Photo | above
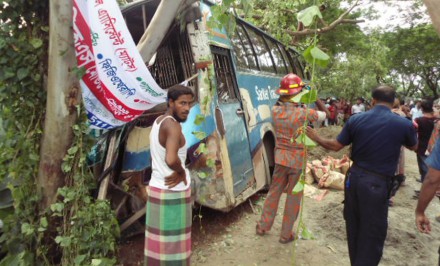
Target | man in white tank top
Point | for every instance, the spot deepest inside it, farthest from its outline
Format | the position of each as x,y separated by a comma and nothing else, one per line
168,220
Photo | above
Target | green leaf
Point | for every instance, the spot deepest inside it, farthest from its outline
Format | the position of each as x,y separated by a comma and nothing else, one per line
304,139
306,234
299,96
199,119
306,15
22,73
27,229
36,43
2,43
322,58
199,134
72,150
310,97
96,262
202,175
314,54
63,241
298,187
43,222
57,207
202,148
79,259
34,157
210,163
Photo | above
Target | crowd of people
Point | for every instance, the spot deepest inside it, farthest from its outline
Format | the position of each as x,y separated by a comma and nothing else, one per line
378,132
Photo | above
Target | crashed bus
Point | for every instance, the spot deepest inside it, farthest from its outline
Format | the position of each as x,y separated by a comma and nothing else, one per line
235,79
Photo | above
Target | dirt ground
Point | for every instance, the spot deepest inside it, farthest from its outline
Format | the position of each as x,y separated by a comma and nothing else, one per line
229,238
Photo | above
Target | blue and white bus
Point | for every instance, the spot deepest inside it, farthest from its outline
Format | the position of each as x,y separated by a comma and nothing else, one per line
236,79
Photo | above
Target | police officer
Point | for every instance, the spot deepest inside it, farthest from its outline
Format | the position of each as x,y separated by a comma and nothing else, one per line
376,137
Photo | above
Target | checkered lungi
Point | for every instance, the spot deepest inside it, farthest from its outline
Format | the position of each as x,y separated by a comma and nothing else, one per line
168,227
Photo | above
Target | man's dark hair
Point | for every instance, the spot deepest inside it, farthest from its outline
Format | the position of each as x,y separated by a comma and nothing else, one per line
178,90
427,106
402,102
384,93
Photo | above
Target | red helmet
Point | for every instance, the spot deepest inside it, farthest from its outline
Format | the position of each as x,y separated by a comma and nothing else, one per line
291,84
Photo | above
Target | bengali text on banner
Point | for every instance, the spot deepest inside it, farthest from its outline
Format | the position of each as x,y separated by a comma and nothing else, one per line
117,86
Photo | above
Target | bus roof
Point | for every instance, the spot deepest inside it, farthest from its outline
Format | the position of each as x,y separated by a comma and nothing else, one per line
136,4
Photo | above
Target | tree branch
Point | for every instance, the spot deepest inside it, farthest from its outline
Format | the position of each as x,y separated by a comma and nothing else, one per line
339,20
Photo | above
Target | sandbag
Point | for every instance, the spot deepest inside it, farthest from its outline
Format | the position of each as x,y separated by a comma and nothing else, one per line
342,165
329,162
308,177
332,179
318,170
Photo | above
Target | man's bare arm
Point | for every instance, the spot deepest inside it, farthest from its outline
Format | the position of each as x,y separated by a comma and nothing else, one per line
172,131
329,144
429,187
321,107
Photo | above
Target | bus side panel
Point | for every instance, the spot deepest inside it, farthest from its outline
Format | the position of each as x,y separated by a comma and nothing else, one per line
258,96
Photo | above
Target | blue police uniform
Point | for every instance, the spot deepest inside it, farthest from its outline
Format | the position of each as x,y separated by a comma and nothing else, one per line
376,137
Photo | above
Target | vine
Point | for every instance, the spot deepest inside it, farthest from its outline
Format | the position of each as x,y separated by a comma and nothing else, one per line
23,56
314,56
89,228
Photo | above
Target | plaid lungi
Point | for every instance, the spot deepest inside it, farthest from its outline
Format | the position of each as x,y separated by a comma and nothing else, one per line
168,227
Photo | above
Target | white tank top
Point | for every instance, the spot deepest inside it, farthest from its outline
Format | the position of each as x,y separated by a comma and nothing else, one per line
158,165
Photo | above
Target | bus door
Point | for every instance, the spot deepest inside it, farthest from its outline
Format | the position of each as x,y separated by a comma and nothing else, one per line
233,116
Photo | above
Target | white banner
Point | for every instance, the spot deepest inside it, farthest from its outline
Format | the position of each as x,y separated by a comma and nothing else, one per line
117,86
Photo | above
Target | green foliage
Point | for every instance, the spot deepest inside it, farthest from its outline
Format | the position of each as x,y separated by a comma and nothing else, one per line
222,17
303,139
81,229
23,46
299,187
414,60
316,55
307,15
353,74
306,233
199,134
199,119
89,229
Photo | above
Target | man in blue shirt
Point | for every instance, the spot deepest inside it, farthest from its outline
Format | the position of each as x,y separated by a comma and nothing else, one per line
376,137
428,190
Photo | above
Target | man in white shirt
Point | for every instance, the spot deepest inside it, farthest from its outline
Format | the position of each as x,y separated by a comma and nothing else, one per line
416,111
358,107
169,216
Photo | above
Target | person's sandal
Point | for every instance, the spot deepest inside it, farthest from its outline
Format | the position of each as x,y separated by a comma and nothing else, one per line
259,231
287,240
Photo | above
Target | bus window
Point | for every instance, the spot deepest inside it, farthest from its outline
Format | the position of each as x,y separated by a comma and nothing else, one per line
243,49
297,69
278,59
286,59
224,75
263,55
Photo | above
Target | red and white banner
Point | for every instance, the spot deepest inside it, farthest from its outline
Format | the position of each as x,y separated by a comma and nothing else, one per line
117,86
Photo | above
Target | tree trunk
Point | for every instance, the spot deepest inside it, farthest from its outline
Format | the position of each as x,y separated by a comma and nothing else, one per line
62,95
158,27
433,7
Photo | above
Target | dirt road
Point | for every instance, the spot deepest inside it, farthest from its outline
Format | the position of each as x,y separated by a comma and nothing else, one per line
229,239
232,241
